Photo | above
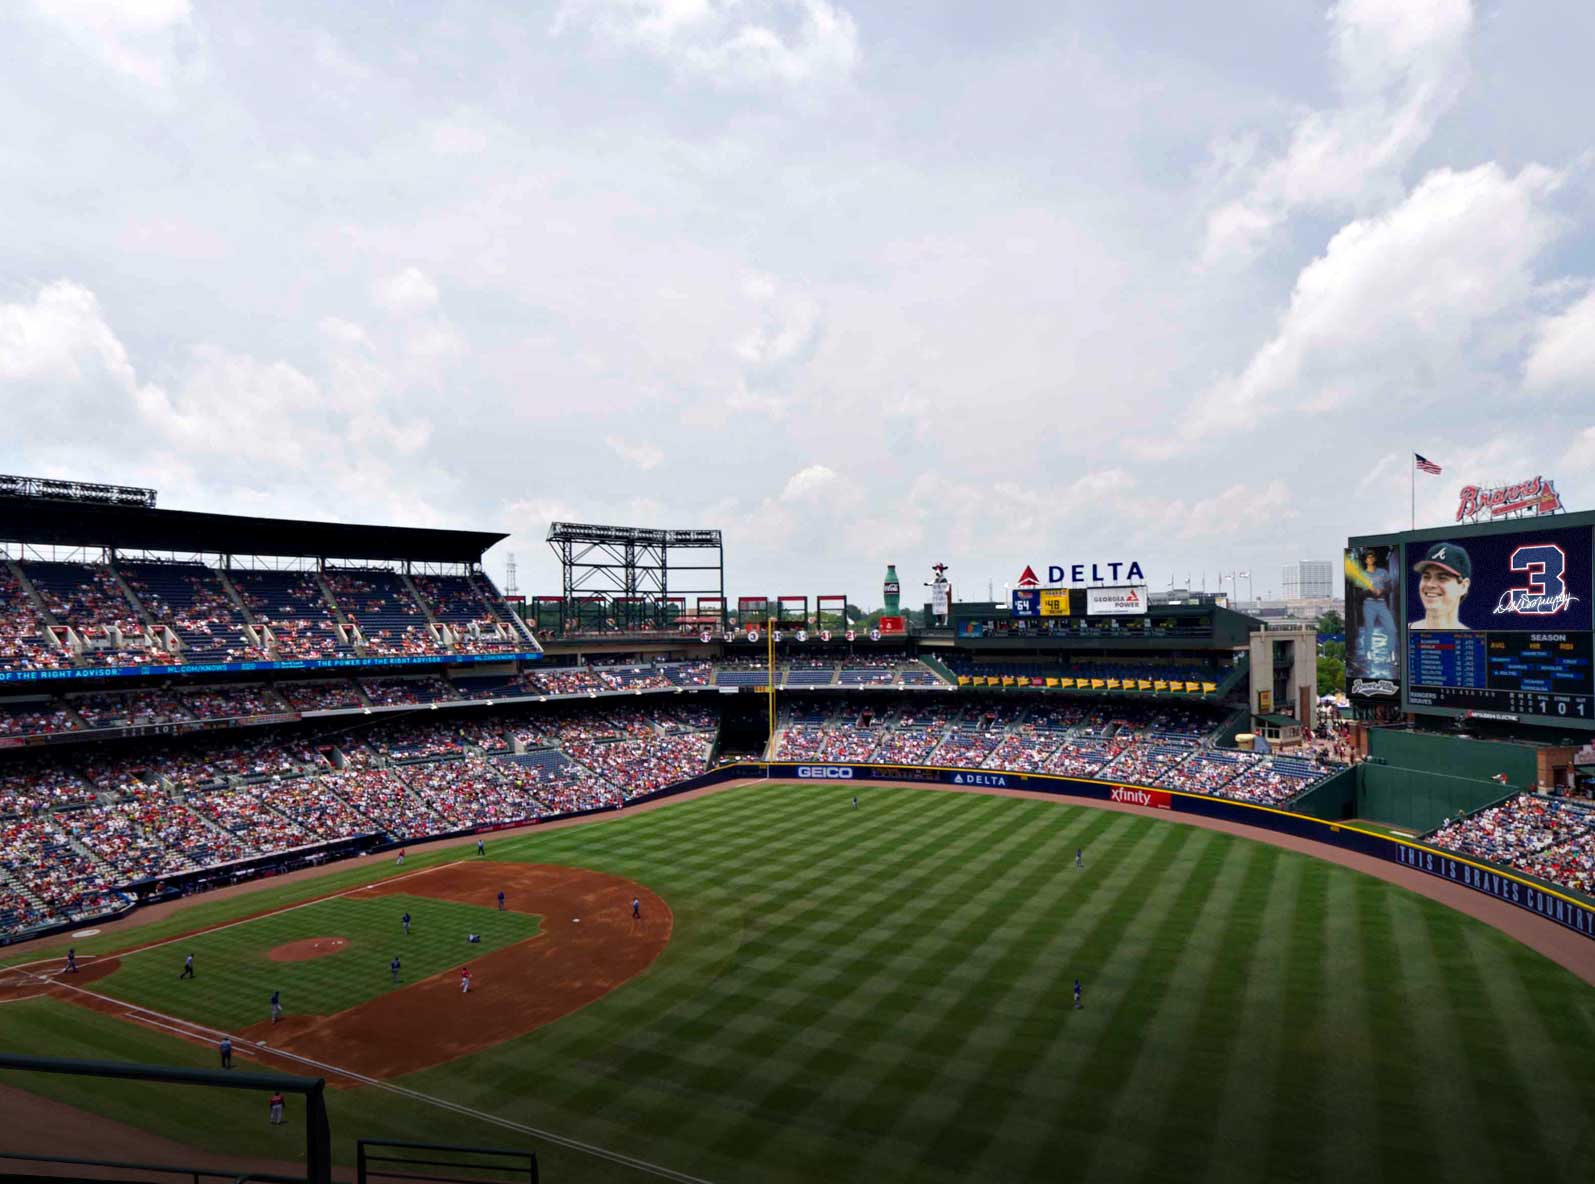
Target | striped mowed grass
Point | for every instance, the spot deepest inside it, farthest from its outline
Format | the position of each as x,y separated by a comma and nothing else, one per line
885,994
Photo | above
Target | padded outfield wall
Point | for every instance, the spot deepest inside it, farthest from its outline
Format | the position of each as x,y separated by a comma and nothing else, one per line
1419,779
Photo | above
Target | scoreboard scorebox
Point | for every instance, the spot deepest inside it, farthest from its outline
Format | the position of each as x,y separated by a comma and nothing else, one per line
1495,619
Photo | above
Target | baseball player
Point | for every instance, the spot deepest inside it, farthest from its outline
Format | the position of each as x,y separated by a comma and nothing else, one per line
276,1006
1445,573
481,847
400,860
226,1049
394,967
636,909
1079,857
855,801
275,1104
465,980
71,962
188,967
405,921
501,901
1377,623
1077,1004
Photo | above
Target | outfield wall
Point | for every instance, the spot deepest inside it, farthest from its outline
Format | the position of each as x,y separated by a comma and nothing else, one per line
1555,906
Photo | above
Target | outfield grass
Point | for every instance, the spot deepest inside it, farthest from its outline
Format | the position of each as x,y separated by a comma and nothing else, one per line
884,994
234,979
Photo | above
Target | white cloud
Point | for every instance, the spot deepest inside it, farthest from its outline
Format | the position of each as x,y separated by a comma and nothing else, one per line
640,455
138,38
1399,66
1563,353
728,42
407,294
1395,304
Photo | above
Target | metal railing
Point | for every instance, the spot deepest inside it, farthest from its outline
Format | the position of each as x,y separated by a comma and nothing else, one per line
318,1136
484,1164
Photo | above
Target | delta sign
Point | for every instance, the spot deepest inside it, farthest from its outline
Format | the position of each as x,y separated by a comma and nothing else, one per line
1033,599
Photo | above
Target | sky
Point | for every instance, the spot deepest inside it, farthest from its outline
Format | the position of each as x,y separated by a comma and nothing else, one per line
855,283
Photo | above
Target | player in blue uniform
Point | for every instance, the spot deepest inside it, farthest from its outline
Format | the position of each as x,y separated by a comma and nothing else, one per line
1079,857
405,921
501,901
276,1006
394,967
188,967
1077,1004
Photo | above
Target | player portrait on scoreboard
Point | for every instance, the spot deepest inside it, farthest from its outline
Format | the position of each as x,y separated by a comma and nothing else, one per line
1372,587
1445,574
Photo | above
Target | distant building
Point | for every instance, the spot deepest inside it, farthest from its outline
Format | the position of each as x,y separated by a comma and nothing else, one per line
1308,579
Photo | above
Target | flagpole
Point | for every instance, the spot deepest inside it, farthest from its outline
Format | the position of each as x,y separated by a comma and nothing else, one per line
1412,482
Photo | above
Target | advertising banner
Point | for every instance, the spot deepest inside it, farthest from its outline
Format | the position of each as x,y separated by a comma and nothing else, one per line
1126,601
1373,589
1501,623
1134,795
1027,602
1057,602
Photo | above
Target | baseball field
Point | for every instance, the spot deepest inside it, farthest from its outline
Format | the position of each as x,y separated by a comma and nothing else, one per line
815,992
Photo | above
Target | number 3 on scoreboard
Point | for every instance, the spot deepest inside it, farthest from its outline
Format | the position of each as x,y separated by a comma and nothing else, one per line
1545,564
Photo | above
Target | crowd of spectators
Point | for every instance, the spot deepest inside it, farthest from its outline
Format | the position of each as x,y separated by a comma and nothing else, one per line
37,717
399,692
89,599
231,702
126,709
1516,829
32,783
389,618
308,802
189,599
327,695
290,604
382,796
25,641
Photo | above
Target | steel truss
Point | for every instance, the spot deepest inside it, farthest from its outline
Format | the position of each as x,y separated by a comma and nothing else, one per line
627,578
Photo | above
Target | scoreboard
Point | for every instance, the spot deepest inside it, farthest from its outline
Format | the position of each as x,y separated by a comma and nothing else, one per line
1498,620
1545,674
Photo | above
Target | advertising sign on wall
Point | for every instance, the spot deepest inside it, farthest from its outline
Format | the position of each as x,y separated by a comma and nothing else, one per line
1126,601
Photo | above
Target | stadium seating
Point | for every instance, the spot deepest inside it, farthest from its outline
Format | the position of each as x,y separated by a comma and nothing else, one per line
189,599
25,642
291,605
88,599
388,616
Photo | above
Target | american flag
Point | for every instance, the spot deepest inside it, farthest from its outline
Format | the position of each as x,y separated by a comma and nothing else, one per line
1427,465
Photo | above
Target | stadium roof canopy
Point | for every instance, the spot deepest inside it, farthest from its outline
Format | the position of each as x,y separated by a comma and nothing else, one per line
46,522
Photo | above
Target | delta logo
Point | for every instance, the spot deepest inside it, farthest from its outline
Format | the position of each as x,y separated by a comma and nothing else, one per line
1027,578
994,780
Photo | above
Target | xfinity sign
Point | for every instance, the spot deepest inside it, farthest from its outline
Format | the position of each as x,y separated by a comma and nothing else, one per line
825,772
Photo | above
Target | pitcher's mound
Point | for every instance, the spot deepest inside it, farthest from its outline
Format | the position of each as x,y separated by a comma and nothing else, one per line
307,948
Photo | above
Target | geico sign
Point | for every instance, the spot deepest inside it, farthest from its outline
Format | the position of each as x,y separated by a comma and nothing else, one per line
825,772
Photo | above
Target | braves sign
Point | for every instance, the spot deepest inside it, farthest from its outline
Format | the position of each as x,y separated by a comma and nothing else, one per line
1535,496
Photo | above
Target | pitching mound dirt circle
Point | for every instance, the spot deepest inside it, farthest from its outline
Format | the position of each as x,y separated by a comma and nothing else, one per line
306,948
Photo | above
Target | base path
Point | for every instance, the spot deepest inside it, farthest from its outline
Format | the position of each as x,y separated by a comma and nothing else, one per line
514,990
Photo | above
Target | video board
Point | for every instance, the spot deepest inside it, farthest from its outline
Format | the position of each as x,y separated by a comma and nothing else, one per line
1499,622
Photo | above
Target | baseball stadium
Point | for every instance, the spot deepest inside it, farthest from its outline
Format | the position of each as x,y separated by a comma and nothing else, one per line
324,857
